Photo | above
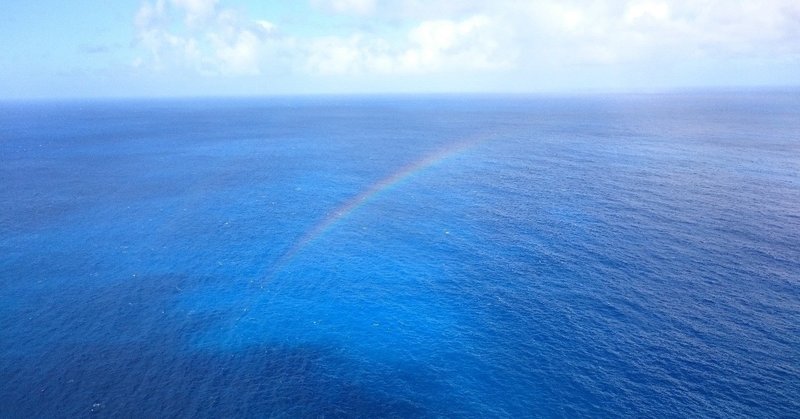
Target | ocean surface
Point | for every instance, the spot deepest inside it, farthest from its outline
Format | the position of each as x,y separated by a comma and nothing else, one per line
402,256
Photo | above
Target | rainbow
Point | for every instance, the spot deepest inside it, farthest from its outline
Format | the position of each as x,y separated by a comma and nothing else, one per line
366,195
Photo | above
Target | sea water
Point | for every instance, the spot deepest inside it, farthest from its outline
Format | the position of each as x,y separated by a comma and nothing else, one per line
402,256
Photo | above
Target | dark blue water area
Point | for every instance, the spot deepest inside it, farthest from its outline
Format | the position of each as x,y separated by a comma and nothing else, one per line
585,256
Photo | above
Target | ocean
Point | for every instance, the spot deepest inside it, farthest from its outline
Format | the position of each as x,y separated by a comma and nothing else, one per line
402,256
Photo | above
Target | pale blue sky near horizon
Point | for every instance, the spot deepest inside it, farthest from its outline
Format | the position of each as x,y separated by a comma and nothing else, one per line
165,48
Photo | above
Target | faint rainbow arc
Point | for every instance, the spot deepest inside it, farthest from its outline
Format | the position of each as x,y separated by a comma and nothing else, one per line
356,201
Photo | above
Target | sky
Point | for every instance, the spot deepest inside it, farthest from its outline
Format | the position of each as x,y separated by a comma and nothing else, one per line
165,48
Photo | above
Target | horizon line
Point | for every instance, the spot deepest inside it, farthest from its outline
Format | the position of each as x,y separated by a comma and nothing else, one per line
324,94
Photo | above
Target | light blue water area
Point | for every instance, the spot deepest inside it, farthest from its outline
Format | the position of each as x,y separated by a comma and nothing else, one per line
628,255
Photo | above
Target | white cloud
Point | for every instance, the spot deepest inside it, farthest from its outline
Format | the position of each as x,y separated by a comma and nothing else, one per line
196,11
239,55
466,44
431,46
358,7
417,37
657,10
620,32
212,41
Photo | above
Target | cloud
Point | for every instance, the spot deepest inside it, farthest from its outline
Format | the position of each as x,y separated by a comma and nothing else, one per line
611,32
199,36
416,37
358,7
430,47
646,11
196,11
218,41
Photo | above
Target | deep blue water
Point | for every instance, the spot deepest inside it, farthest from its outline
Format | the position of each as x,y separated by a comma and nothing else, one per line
634,256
